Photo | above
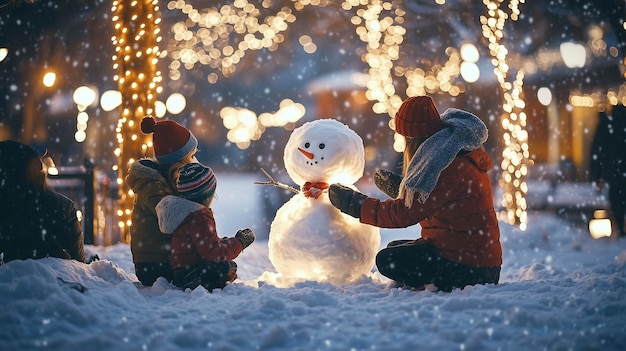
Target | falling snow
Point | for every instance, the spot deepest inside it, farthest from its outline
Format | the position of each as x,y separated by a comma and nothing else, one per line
559,290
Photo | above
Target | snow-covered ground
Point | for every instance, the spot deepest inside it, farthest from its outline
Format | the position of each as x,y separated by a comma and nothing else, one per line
559,290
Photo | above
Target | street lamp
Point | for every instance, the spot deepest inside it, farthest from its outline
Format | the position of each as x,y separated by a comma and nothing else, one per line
83,97
49,78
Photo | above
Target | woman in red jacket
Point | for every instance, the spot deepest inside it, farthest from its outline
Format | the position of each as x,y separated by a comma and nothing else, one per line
445,188
199,256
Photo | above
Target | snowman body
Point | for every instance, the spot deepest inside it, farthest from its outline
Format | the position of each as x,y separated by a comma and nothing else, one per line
309,238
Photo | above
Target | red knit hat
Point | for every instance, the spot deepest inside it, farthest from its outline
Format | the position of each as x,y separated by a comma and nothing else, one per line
418,117
171,141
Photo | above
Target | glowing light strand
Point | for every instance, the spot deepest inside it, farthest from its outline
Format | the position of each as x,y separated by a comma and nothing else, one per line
139,79
383,38
220,37
513,119
379,25
136,38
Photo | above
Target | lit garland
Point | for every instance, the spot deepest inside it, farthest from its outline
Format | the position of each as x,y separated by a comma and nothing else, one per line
513,118
578,99
209,37
219,38
136,41
214,42
244,125
383,40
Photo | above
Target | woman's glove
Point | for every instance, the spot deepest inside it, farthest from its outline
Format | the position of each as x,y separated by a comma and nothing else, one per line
388,182
346,200
245,237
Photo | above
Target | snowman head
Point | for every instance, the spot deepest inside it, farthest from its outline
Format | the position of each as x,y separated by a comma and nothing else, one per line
324,150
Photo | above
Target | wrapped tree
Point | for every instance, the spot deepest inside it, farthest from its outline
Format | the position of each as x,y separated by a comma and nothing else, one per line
136,39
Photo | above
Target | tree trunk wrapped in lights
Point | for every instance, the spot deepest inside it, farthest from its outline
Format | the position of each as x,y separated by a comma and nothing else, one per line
513,119
136,38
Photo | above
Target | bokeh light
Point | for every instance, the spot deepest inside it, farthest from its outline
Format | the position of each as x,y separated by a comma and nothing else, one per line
544,95
49,78
110,100
574,55
84,96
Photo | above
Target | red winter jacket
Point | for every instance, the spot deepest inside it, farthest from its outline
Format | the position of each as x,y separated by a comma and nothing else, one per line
194,238
458,216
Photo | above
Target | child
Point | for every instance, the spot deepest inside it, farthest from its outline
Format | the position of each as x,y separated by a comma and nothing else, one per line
152,179
445,188
199,256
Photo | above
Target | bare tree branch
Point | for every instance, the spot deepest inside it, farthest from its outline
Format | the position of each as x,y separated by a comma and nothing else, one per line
277,184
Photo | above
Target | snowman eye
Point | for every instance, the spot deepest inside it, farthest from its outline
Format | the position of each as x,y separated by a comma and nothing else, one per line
322,146
306,145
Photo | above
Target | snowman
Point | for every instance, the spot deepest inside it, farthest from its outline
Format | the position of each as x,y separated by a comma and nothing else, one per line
309,238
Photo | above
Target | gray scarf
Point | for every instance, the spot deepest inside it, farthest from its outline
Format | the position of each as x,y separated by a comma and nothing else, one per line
462,131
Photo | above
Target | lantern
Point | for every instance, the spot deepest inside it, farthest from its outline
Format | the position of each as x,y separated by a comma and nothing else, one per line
600,225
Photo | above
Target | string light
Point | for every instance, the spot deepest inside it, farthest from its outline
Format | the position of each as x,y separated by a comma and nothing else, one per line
207,39
136,40
244,125
220,37
513,118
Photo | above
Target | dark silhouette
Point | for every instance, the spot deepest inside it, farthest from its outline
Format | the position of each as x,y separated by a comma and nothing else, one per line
35,222
608,161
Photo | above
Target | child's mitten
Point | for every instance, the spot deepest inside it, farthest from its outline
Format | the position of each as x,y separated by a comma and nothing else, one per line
245,237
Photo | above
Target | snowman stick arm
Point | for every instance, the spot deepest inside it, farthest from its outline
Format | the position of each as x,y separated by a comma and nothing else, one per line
279,185
276,184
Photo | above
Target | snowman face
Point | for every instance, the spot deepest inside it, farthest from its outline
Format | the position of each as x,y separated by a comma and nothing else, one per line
324,150
313,154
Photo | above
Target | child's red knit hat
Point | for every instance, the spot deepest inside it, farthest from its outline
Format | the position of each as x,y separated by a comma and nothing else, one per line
418,117
171,141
